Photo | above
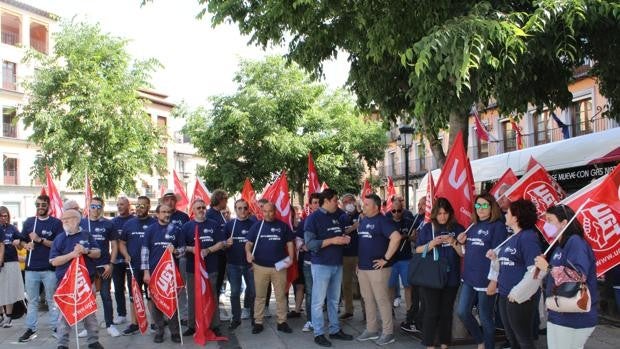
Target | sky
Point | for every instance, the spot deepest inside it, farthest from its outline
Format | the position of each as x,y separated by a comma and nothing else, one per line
199,60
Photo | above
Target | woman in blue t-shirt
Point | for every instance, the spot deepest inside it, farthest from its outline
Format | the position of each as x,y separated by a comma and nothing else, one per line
439,303
569,330
487,232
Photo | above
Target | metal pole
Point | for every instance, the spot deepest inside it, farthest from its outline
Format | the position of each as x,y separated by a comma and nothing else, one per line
406,176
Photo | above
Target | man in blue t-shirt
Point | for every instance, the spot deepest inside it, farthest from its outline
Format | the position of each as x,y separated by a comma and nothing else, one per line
349,221
414,313
325,240
104,233
37,236
219,201
271,249
400,267
130,246
71,244
306,259
119,271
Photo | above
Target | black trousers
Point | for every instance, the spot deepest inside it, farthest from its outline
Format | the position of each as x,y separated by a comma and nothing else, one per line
415,314
517,319
438,308
118,278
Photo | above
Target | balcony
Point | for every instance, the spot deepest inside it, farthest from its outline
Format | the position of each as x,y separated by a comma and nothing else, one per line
417,167
38,37
9,130
10,177
10,38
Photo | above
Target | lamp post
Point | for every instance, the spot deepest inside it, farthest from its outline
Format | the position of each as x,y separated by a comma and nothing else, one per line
404,141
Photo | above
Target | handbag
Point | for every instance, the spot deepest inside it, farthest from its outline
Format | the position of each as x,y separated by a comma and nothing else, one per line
428,272
570,293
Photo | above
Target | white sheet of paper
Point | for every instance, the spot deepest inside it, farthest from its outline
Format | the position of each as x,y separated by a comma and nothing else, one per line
283,263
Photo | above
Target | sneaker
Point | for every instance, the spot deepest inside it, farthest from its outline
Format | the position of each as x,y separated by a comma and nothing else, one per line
234,324
159,338
28,336
257,328
189,332
267,313
506,345
284,327
55,333
224,315
322,341
346,316
119,320
293,314
8,322
95,345
83,334
176,338
341,336
307,327
131,329
397,302
113,332
245,314
408,327
366,336
216,331
385,339
62,347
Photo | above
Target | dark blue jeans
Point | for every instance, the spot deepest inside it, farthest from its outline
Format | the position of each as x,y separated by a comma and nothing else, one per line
118,278
235,273
485,310
308,290
106,298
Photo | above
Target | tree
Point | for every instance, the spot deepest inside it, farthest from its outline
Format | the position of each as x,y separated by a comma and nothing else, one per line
85,112
277,116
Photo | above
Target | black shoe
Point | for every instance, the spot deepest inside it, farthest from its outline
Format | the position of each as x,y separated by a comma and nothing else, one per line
131,329
293,314
189,332
183,322
159,338
234,324
506,345
62,347
258,328
175,338
346,316
341,336
216,331
28,336
322,341
153,327
408,327
95,345
284,327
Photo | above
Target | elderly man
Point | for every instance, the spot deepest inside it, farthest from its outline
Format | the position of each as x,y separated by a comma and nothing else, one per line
378,243
119,272
67,246
270,241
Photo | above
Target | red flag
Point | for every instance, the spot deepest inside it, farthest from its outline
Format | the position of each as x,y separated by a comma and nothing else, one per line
324,186
138,305
391,193
366,189
200,192
600,217
536,187
74,295
162,285
55,201
313,178
456,182
503,183
430,197
43,192
481,131
180,191
533,162
248,194
205,303
88,195
518,135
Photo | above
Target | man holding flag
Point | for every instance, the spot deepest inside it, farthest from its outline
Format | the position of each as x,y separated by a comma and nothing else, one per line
67,246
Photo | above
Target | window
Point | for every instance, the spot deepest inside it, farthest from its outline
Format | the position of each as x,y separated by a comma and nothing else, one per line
10,170
9,75
391,163
162,123
483,148
10,29
38,37
510,137
421,157
582,112
542,127
9,118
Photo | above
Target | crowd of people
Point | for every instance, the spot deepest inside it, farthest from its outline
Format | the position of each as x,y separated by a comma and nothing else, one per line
338,243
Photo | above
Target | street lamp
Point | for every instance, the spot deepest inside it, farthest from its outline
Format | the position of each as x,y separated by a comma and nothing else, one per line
404,141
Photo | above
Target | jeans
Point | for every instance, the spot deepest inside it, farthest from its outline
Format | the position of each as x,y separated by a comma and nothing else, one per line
235,274
517,320
485,310
90,324
34,279
326,282
183,295
106,298
308,290
118,278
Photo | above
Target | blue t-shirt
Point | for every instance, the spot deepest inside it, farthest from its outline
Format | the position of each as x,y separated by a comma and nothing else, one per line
445,251
271,245
580,255
404,252
216,216
481,238
514,258
133,235
324,225
157,237
235,254
406,214
179,218
47,228
209,233
64,244
8,233
374,237
347,220
118,222
103,231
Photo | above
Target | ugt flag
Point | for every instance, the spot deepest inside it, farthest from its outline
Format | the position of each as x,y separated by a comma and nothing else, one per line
249,195
180,191
391,194
200,192
138,305
164,284
55,200
74,296
503,183
430,197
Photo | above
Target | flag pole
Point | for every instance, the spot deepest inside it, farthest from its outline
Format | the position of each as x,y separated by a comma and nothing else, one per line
34,230
559,235
176,298
232,233
75,296
258,236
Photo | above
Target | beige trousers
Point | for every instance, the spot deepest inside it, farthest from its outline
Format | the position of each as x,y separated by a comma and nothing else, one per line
374,288
262,278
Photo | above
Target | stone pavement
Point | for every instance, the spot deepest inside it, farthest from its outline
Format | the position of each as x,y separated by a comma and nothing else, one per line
604,337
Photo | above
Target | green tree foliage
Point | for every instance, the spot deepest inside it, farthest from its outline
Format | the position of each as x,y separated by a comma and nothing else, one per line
85,112
279,114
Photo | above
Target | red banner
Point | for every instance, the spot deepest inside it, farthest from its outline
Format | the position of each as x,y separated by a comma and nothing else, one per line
503,183
430,197
74,295
138,305
55,200
518,135
532,162
366,189
162,285
313,178
88,195
481,131
200,192
391,194
248,194
600,217
183,201
456,182
324,186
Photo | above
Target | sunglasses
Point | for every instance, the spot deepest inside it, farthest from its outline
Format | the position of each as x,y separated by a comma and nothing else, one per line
478,206
397,211
42,204
140,206
242,208
201,207
96,207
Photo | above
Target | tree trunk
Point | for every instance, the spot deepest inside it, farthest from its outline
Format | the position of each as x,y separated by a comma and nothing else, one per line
459,122
433,140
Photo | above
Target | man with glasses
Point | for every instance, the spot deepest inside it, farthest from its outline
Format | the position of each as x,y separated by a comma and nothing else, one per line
400,268
37,236
211,240
349,221
104,233
236,232
119,272
131,239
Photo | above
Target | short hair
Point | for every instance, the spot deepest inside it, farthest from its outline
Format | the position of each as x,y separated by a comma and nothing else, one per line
496,211
122,198
159,207
44,198
146,198
70,205
72,212
327,194
445,204
348,196
525,211
315,195
97,198
263,201
217,197
240,200
564,212
375,198
197,200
